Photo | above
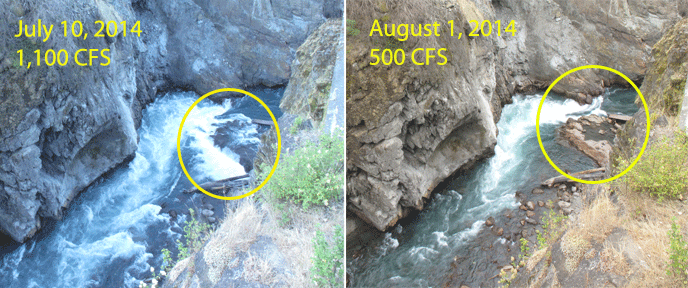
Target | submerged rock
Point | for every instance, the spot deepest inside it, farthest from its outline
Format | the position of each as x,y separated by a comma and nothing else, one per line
207,213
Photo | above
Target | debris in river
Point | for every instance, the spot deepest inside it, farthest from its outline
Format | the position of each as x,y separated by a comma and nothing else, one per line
584,175
223,185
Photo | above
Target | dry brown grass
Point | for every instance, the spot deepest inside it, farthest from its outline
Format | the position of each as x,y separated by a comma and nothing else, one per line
613,260
647,222
574,245
178,269
592,225
237,232
258,270
242,227
597,222
295,241
534,259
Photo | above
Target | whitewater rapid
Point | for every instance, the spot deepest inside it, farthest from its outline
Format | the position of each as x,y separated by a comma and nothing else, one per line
112,233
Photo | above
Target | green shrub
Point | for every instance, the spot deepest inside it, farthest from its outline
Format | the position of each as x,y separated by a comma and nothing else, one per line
351,29
678,253
507,277
525,248
295,126
313,174
167,261
195,234
551,227
328,259
662,171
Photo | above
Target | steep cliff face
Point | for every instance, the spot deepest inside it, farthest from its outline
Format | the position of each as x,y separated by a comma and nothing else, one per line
664,84
410,127
307,93
63,127
309,88
556,36
663,89
214,44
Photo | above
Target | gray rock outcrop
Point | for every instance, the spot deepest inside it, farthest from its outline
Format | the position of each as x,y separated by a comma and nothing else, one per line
410,127
556,36
665,82
309,88
588,134
307,94
63,127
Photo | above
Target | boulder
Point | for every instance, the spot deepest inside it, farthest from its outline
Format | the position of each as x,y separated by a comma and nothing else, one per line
207,213
499,231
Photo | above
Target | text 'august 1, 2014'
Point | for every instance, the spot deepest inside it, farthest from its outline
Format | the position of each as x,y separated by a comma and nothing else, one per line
399,33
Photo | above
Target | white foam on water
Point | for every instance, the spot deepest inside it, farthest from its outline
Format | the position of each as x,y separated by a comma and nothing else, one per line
514,129
215,162
110,223
441,238
389,243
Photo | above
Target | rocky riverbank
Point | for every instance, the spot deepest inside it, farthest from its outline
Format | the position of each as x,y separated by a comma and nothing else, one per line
497,247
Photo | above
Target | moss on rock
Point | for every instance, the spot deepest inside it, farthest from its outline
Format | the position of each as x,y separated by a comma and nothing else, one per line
665,81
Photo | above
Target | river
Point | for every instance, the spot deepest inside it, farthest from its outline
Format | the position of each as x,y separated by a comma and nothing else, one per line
113,231
419,252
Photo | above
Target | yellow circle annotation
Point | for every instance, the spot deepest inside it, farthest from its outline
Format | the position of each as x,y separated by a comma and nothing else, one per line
647,130
179,150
